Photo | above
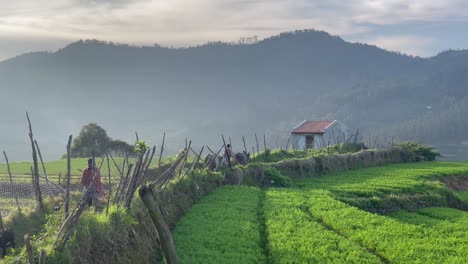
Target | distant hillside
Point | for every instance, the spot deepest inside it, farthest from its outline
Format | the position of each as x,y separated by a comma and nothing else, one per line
201,92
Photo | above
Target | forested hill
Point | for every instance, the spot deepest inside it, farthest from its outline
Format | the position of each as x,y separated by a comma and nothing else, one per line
235,89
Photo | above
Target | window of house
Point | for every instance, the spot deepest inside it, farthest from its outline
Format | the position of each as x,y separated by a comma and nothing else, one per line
309,142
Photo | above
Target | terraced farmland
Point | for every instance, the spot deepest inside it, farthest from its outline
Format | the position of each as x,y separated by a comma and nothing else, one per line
333,219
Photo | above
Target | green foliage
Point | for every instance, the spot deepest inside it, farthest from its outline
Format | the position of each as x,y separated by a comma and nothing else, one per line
267,153
342,148
276,178
394,240
463,195
419,152
119,148
320,223
276,155
294,236
140,147
318,201
97,237
222,228
396,186
92,137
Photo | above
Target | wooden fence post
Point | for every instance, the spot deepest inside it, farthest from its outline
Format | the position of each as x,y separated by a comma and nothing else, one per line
165,236
43,168
36,168
253,153
42,257
245,147
256,140
67,196
197,158
115,164
187,147
162,149
110,184
29,249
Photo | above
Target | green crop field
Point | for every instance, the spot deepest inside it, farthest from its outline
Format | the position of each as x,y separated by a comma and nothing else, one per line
54,168
58,166
332,219
223,228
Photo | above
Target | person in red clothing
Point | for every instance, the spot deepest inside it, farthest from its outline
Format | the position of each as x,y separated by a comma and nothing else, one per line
87,177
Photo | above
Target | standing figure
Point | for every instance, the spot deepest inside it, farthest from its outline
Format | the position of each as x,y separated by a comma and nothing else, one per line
227,153
87,177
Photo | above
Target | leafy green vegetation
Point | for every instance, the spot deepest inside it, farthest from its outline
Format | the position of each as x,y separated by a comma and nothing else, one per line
389,188
295,237
276,155
463,195
418,152
222,228
98,237
393,240
276,178
93,138
317,220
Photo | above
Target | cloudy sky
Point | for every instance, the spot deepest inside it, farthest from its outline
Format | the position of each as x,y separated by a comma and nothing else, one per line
417,27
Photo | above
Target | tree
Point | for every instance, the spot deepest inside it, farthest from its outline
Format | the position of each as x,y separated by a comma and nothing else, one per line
92,137
120,148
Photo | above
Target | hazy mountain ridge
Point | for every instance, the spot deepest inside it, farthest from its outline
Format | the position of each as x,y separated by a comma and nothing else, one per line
203,91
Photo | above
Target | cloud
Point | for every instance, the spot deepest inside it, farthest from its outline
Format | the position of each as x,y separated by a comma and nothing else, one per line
100,2
188,22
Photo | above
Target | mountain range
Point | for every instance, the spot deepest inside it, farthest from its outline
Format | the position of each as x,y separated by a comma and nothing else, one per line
264,87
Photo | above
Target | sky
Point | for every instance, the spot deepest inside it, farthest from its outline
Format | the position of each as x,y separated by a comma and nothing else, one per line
418,27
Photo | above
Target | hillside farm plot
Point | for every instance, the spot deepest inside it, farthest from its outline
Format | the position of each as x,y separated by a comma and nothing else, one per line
332,219
223,228
54,168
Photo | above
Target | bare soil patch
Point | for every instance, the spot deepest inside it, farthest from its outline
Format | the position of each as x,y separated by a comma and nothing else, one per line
457,183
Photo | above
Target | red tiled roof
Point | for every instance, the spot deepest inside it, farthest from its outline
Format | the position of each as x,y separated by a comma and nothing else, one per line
314,127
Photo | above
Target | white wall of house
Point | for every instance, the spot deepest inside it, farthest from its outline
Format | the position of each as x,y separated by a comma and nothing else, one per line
334,134
298,141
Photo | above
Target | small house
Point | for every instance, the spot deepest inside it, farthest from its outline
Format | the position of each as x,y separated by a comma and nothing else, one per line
318,134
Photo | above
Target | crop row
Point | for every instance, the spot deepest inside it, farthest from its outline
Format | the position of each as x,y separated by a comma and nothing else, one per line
295,237
222,228
444,241
313,224
374,186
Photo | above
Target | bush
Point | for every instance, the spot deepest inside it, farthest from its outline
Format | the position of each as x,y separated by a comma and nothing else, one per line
344,148
419,152
277,179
